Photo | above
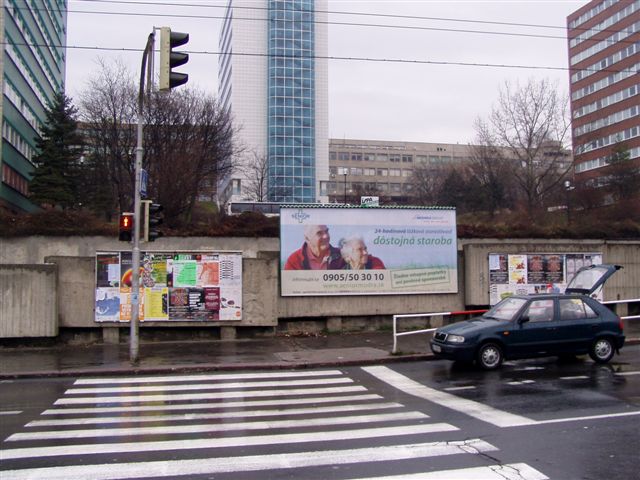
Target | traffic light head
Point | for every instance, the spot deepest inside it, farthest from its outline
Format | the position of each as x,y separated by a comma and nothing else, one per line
170,59
153,218
125,227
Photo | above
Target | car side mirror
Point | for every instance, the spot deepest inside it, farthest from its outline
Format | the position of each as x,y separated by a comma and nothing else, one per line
524,319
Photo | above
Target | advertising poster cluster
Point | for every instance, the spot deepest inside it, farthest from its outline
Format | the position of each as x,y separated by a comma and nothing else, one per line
173,286
527,273
367,251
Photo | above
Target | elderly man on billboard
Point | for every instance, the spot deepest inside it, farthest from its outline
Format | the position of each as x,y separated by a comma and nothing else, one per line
316,252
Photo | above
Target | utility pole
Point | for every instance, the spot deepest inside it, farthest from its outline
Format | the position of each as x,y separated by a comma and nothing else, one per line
134,327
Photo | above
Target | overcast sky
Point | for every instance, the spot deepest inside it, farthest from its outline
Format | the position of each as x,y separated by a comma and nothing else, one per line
434,96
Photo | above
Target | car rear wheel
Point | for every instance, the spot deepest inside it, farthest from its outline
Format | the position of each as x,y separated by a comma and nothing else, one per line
489,356
602,350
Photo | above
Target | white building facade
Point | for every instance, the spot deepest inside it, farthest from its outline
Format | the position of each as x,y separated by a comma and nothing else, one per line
273,79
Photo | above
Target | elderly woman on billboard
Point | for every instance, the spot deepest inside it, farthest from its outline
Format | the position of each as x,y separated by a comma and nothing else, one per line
356,255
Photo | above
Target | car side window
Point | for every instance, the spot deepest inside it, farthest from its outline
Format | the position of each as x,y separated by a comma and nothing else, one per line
575,309
540,311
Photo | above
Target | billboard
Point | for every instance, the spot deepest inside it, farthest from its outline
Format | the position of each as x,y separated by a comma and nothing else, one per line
174,286
367,251
527,273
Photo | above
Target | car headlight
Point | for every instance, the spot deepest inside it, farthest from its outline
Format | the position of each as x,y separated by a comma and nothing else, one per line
455,338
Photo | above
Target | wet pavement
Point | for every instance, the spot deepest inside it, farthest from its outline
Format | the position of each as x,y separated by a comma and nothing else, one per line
278,352
270,353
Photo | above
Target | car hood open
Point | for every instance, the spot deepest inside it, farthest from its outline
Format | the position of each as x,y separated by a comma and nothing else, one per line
589,279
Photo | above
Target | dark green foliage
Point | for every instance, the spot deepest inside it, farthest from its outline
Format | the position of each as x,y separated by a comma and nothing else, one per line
56,177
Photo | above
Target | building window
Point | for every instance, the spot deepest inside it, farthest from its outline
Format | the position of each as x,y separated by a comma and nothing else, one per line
236,188
394,172
407,158
383,172
394,158
357,157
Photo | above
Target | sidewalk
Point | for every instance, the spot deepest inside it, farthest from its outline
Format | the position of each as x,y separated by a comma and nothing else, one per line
281,352
273,353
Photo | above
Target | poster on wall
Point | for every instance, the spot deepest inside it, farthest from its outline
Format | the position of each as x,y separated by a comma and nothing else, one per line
174,286
523,274
372,251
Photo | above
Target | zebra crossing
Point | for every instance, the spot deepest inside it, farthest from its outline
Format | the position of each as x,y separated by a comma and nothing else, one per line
234,424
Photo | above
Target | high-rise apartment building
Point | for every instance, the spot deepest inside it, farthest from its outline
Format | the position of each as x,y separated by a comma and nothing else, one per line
272,77
32,68
604,60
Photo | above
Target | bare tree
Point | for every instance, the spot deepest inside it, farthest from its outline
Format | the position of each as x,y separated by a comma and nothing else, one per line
492,172
257,175
532,124
188,141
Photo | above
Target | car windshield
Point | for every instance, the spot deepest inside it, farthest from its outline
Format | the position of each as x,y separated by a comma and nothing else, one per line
506,309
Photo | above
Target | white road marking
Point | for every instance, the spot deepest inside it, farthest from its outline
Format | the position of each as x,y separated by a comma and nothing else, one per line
520,382
206,378
223,427
627,373
223,442
205,386
212,405
454,389
469,407
207,396
209,466
509,471
575,377
10,412
128,419
591,417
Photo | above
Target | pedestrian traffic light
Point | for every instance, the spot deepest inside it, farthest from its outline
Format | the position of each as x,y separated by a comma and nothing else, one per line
153,217
125,227
170,59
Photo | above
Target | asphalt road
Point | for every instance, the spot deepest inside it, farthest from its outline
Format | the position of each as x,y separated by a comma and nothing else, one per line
532,419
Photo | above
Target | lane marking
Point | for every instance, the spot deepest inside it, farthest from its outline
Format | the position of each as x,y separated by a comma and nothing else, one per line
521,382
210,416
627,373
212,405
509,471
222,442
251,463
205,386
575,377
206,396
204,378
10,412
223,427
454,389
469,407
591,417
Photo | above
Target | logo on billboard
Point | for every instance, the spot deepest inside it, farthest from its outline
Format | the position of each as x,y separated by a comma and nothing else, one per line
300,216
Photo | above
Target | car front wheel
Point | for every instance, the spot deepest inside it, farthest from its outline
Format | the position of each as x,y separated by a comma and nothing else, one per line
489,356
602,350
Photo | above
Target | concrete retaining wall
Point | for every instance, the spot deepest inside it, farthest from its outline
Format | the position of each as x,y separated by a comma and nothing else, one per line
71,290
28,303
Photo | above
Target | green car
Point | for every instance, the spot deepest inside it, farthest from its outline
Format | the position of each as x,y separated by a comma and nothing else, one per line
527,326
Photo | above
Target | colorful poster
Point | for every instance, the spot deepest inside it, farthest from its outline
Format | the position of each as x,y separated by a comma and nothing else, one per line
173,286
107,304
372,251
534,272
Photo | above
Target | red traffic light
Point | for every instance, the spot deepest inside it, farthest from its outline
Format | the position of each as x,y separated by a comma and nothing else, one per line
125,227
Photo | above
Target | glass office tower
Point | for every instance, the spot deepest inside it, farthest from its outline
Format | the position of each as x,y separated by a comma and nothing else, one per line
273,80
291,101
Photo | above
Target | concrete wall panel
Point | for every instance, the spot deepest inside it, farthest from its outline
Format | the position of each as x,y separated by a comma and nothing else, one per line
28,304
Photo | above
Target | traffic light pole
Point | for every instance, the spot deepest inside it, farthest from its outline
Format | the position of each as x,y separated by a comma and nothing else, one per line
134,327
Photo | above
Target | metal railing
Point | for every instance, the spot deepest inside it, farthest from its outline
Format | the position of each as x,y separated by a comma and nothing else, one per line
415,315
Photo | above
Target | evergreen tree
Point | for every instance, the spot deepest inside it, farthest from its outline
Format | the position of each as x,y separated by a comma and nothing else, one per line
56,180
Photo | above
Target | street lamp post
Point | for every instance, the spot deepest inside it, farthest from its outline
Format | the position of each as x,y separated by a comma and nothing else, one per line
568,187
345,186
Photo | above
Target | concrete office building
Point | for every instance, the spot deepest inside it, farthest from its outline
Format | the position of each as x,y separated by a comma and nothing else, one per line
360,167
604,59
273,79
32,69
